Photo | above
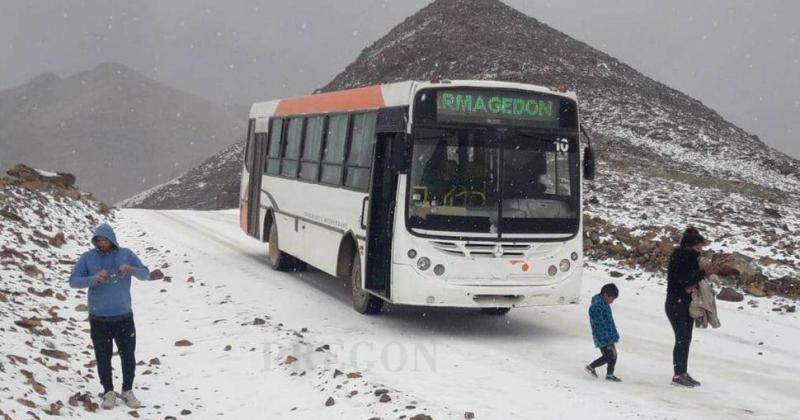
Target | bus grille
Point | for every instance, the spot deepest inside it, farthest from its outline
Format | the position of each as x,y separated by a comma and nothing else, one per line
482,249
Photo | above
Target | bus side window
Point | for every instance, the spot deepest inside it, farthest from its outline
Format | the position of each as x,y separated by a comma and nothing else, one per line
273,166
359,160
312,146
333,153
291,152
250,146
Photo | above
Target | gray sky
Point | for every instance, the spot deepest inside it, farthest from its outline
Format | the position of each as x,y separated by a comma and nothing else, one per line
740,57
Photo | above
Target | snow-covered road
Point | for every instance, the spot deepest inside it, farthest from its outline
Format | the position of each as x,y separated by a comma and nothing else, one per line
443,362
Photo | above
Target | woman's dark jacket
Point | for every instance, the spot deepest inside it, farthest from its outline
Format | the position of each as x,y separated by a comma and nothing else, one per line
683,271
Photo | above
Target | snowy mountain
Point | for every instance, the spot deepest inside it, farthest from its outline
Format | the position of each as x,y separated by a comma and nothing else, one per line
665,160
118,131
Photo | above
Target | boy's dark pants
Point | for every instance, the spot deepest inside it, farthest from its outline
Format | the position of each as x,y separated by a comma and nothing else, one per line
609,356
123,332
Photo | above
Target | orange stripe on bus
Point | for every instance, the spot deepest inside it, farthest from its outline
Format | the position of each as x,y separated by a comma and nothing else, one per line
346,100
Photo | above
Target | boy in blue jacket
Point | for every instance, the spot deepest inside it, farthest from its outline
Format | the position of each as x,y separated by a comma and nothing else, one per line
106,271
604,331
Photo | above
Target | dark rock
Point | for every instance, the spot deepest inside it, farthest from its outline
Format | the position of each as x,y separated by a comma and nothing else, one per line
183,343
58,240
330,402
156,275
730,295
755,290
616,274
56,354
259,321
385,398
10,215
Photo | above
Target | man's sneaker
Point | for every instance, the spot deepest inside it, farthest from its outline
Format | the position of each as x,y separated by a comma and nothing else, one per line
109,400
591,371
692,380
682,380
130,399
612,378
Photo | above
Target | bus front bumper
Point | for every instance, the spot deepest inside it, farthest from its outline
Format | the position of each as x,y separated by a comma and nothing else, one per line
409,287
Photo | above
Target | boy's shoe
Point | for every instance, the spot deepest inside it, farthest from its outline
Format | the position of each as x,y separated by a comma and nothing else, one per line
612,378
591,371
130,399
682,380
692,380
109,400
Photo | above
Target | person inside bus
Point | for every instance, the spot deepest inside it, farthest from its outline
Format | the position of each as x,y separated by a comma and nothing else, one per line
438,173
475,175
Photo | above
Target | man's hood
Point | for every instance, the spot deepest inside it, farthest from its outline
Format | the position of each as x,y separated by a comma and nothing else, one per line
107,232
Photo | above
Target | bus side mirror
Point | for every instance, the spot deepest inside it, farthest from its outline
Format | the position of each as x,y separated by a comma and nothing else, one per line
588,164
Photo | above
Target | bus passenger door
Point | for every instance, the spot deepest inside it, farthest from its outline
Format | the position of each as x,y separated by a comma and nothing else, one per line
380,215
254,192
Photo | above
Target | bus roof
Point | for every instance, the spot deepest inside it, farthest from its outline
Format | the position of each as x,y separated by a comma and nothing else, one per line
374,97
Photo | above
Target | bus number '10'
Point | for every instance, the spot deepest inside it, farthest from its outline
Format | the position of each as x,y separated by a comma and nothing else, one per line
562,145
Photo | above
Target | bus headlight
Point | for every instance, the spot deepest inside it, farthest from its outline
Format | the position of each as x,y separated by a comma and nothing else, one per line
424,263
574,256
552,271
564,265
438,269
412,253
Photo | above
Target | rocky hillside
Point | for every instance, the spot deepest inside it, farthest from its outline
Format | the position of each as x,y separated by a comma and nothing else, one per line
118,131
214,184
665,159
45,223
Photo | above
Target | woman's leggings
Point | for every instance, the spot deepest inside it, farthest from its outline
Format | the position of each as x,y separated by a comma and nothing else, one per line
682,324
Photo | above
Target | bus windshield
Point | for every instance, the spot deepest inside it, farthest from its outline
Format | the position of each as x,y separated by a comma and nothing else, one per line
493,181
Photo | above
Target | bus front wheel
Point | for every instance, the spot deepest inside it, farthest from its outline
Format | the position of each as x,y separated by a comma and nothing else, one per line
363,301
495,311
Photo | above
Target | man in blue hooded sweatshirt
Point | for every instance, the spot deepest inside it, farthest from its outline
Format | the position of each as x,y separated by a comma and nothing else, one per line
106,271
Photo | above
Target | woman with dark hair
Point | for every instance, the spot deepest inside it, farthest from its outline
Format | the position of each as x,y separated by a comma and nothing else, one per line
683,275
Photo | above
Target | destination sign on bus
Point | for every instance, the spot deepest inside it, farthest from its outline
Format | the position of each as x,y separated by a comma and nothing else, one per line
458,105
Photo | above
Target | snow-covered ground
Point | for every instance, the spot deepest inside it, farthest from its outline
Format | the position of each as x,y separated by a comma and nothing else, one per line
443,362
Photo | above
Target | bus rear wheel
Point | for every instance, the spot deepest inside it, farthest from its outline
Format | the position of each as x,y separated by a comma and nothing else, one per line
278,259
363,301
495,311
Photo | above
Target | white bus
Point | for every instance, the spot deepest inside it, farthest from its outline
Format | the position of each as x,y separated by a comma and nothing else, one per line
441,193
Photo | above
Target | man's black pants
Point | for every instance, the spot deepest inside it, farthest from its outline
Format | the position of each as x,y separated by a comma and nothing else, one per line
682,325
123,332
609,356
